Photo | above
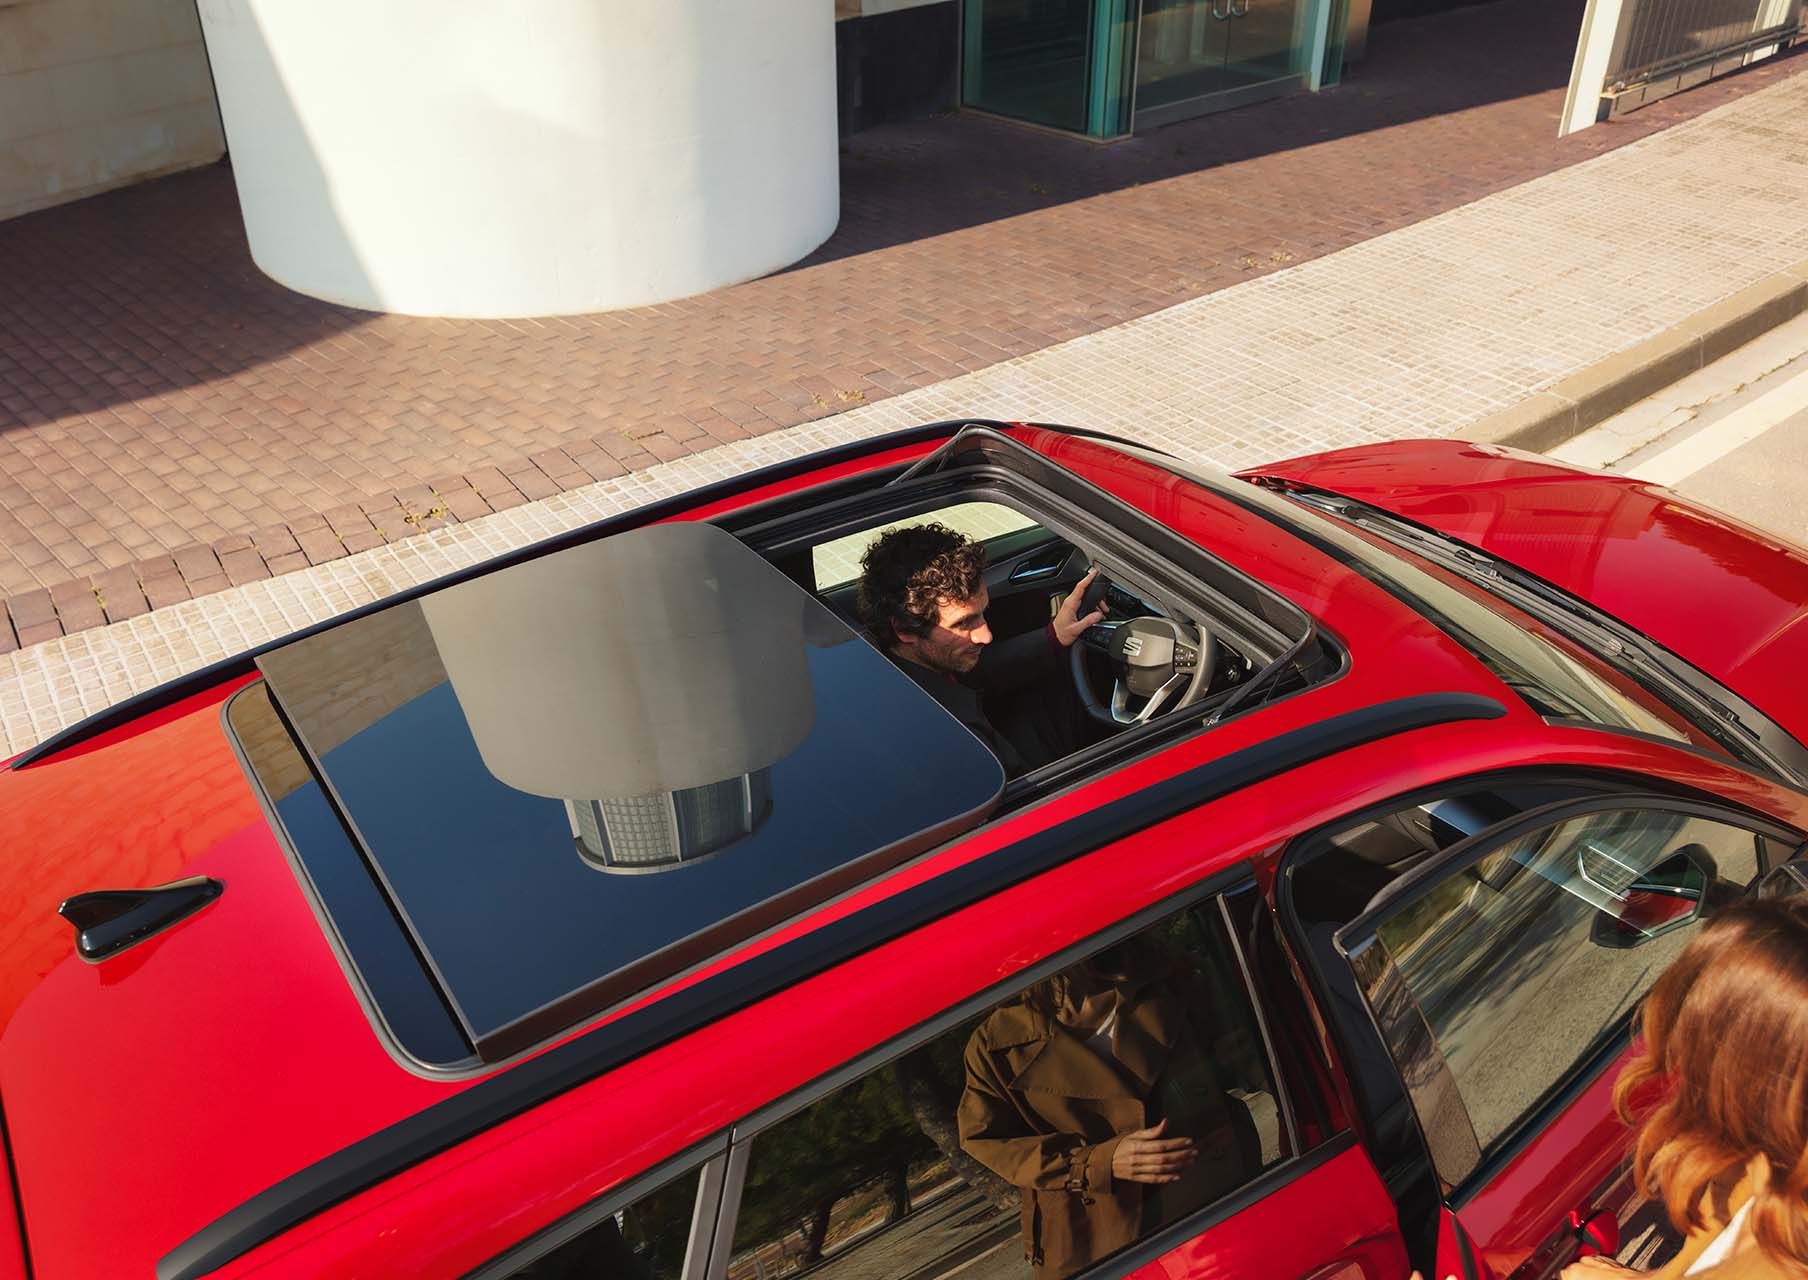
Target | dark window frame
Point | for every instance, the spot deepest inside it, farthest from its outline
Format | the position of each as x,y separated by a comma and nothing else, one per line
1147,555
731,1147
1385,1115
1357,938
1755,741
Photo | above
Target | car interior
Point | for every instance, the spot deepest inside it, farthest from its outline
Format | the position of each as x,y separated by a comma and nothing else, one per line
1148,657
1187,640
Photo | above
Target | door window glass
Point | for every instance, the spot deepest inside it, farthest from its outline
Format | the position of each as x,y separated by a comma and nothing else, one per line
1004,1146
837,563
1526,960
644,1241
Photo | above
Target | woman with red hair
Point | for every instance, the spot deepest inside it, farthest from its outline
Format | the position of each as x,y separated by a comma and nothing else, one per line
1719,1092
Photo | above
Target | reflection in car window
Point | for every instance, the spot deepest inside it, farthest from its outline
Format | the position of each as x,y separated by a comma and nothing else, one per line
657,729
1522,963
1557,679
837,563
644,1241
991,1150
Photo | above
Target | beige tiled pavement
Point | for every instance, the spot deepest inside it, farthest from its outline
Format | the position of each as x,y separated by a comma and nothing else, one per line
1417,332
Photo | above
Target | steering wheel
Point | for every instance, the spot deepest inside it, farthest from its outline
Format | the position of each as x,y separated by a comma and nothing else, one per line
1164,663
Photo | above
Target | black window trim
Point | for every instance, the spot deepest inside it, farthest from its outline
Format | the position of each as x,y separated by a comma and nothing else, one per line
732,1146
1357,939
1752,737
1756,741
981,463
706,1158
1146,552
504,1094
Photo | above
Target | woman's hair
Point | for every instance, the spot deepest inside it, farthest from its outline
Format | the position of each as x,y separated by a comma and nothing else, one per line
1720,1081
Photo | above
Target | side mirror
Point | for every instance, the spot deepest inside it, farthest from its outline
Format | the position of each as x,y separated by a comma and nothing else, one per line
1788,880
1678,891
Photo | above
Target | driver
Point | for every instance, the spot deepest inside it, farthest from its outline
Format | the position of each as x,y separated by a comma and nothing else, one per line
924,600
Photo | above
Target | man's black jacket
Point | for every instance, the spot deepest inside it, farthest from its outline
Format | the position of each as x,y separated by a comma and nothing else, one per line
1005,666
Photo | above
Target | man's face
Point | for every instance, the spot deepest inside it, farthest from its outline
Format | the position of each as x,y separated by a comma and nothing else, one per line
956,640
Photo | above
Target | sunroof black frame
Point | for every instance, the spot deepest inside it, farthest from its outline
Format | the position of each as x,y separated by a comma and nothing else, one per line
555,1009
978,461
981,462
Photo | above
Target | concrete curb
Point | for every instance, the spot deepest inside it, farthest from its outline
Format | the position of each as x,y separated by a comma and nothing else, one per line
1548,418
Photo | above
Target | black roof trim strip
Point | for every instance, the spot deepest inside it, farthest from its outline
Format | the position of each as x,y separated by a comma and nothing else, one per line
242,664
499,1098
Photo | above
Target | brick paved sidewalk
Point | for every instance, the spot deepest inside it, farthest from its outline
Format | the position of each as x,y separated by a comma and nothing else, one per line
172,423
1414,333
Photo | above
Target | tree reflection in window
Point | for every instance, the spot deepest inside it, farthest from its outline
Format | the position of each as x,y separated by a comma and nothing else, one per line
987,1150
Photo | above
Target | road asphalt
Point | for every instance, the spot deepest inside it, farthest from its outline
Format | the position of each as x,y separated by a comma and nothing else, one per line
1734,436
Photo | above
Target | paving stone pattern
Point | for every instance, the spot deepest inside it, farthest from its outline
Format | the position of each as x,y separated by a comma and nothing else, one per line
1409,334
173,424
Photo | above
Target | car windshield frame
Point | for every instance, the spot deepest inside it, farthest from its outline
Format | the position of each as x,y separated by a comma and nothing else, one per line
1358,535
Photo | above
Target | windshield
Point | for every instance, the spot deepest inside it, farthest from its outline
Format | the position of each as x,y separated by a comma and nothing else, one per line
1555,677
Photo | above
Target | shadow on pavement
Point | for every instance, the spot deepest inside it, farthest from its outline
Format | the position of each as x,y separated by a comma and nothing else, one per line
906,182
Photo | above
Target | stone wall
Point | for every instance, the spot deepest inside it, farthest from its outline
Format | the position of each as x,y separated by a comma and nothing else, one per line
98,93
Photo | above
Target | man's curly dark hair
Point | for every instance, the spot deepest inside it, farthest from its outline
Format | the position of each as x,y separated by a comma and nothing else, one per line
907,573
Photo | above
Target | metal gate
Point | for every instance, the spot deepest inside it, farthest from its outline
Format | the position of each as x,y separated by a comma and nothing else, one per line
1666,45
1631,52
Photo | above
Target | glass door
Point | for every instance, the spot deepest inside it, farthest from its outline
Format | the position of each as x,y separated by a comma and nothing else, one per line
1071,64
1198,56
1267,39
1061,63
1182,52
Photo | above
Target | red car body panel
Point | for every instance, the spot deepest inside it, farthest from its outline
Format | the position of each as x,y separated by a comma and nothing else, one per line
229,1052
447,1214
1326,1219
12,1245
1565,1168
1730,598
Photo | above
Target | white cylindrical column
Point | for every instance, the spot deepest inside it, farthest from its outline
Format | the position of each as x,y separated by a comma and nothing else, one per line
527,157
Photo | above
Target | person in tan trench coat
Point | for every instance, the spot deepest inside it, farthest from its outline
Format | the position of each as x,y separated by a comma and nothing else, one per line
1094,1094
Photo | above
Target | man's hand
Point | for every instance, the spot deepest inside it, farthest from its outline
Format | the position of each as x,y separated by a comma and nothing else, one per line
1068,623
1146,1156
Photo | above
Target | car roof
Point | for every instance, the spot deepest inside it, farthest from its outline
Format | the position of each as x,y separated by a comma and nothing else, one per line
234,1050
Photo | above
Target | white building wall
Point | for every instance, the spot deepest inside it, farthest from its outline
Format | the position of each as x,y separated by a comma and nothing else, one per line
98,93
537,157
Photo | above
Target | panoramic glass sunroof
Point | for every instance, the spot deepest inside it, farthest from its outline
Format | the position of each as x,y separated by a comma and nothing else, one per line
582,774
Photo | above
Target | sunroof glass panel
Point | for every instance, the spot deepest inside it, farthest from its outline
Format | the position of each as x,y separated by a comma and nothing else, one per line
582,774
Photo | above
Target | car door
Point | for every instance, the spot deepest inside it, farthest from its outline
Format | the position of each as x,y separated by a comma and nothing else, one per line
920,1159
1502,977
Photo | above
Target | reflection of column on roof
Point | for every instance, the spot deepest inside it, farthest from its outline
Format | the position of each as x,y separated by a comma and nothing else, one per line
649,681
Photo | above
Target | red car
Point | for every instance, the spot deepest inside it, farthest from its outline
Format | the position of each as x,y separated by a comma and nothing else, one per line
619,909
